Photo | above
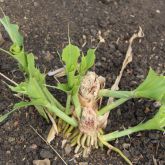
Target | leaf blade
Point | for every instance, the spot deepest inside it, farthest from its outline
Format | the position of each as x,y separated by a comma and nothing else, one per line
12,30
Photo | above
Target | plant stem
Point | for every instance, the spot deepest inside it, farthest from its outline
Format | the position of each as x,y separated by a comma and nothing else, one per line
77,104
116,94
67,111
117,134
62,115
111,106
52,99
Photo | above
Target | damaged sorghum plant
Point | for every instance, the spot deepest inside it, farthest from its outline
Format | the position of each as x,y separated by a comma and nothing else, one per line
83,119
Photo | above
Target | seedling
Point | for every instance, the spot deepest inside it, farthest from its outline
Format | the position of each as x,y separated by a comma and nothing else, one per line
82,120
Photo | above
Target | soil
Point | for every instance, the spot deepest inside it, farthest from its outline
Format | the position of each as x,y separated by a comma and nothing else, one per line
44,25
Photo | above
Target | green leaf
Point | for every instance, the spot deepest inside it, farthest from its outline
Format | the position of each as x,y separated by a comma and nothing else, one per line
16,107
153,87
41,111
87,61
63,87
159,119
19,54
33,71
90,58
22,104
12,30
70,56
5,116
20,88
34,90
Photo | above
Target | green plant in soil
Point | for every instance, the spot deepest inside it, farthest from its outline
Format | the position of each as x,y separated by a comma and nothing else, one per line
82,120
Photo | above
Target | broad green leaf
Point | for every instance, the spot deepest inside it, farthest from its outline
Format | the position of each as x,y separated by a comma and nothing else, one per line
90,58
70,56
22,104
83,65
20,88
33,71
87,61
12,30
34,90
159,118
153,87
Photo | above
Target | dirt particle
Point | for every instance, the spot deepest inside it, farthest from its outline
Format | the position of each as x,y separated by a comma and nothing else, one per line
83,163
46,154
11,139
68,149
35,4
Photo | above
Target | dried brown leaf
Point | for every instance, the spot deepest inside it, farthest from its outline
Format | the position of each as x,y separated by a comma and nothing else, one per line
53,131
51,135
128,58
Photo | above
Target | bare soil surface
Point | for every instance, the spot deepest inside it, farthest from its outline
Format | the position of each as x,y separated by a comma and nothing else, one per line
44,25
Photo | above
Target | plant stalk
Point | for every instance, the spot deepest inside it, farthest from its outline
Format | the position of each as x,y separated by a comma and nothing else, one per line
68,104
111,106
116,94
62,115
77,104
117,134
52,99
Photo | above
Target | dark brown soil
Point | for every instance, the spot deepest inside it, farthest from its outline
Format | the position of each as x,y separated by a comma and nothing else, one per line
44,25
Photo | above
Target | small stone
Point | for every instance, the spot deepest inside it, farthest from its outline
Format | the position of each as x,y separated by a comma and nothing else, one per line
156,104
8,152
11,139
46,154
126,145
158,11
35,4
2,0
68,149
83,163
33,146
41,162
98,63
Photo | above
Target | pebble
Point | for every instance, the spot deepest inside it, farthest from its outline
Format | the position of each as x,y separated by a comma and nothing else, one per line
98,63
2,0
35,4
126,145
68,149
11,139
41,162
158,11
83,163
46,154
